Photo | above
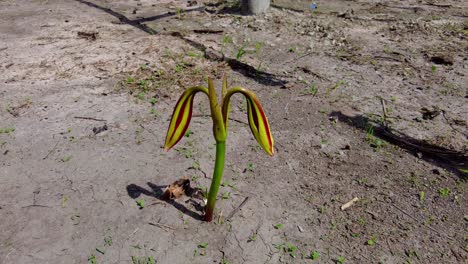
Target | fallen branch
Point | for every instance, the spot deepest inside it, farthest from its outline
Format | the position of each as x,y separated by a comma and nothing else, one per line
50,151
237,209
349,204
89,118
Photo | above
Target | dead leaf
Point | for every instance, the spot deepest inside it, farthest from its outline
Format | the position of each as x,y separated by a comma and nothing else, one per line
177,189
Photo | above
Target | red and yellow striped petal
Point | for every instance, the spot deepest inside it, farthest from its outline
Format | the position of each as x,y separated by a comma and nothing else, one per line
259,125
258,121
181,116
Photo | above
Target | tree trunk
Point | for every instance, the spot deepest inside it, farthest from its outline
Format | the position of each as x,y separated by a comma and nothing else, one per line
254,7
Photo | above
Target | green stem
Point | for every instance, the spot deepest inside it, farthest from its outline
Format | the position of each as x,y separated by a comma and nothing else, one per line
216,181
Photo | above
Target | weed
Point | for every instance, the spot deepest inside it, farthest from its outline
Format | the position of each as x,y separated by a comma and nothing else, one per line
188,132
153,100
66,158
130,80
196,165
375,142
444,192
250,167
108,241
153,112
292,49
226,40
312,90
194,54
141,96
314,255
7,130
422,194
241,52
258,47
372,241
253,237
291,250
92,259
340,260
433,68
179,13
278,226
362,221
203,245
140,203
226,195
143,260
321,210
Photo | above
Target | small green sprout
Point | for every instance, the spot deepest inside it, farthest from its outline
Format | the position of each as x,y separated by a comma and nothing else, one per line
372,241
314,255
422,194
241,52
130,80
140,203
444,192
66,158
291,250
226,195
203,245
141,96
340,260
153,101
92,259
278,226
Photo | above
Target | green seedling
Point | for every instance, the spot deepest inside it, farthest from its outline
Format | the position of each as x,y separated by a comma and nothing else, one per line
250,167
252,238
66,158
108,241
7,130
422,194
140,203
433,68
226,195
241,52
226,40
92,259
444,192
130,80
291,250
203,245
372,241
340,260
141,96
220,115
312,90
143,260
314,255
153,100
278,226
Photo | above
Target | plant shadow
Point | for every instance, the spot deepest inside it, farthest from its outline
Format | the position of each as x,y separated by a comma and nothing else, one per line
451,160
157,191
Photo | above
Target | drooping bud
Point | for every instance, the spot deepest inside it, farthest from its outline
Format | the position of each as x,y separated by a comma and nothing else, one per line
181,116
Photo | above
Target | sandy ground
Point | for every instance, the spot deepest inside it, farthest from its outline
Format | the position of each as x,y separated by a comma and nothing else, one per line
86,93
